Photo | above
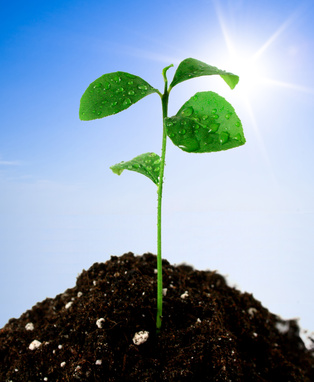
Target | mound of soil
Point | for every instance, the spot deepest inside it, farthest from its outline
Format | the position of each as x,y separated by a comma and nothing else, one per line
103,329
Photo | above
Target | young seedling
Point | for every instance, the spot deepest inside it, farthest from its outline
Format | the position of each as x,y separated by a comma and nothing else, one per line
205,123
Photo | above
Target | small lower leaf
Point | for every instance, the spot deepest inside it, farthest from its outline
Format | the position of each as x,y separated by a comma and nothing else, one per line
147,164
205,123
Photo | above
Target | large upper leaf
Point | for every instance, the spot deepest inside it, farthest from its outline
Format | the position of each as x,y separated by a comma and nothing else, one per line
191,68
205,123
147,164
112,93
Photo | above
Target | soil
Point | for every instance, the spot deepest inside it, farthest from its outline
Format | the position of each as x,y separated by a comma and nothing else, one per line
210,331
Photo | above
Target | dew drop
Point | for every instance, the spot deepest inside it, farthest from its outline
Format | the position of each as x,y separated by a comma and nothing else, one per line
169,124
116,79
149,167
228,115
183,123
119,90
98,85
99,112
107,86
213,127
205,116
136,165
187,111
130,82
142,87
195,98
190,146
131,92
215,116
113,104
223,137
127,102
182,131
238,137
172,135
129,167
238,124
214,111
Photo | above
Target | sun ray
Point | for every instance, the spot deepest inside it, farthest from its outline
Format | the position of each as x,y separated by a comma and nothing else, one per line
247,67
288,85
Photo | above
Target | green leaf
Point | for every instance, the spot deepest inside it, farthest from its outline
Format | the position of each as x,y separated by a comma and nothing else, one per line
191,68
112,93
205,123
147,164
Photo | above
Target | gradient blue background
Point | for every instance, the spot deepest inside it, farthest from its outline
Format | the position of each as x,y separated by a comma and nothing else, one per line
247,212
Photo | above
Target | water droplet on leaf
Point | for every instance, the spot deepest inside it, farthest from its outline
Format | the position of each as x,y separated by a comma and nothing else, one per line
116,79
215,116
119,90
98,85
130,82
213,127
182,131
114,104
142,87
131,92
223,137
214,111
205,116
127,102
228,115
187,111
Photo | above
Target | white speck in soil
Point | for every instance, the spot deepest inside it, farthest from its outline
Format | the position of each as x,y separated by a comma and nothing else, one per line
62,364
99,322
185,295
29,326
34,345
140,337
252,311
98,362
283,327
68,305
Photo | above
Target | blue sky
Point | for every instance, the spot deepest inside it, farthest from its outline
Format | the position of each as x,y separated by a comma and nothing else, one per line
247,212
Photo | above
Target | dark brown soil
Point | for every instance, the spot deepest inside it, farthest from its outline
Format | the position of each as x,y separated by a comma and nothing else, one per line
210,331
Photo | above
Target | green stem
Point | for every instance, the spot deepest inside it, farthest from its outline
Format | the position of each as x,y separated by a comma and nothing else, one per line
164,101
